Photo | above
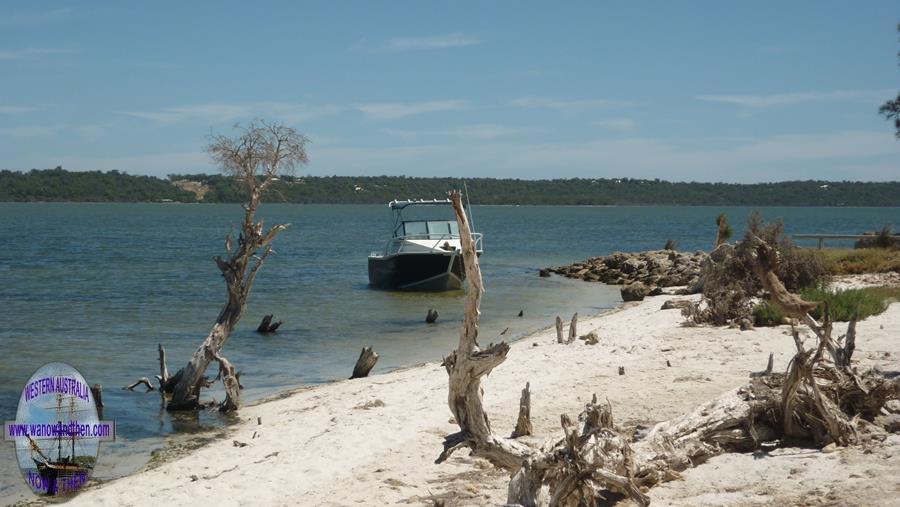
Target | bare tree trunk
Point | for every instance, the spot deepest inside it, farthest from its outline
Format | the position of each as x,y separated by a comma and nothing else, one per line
468,363
365,363
239,272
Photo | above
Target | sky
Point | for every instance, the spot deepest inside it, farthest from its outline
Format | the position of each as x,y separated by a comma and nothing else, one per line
682,91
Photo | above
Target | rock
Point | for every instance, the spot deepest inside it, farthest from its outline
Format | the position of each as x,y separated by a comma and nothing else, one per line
745,324
544,273
634,292
892,406
655,291
631,265
675,304
890,422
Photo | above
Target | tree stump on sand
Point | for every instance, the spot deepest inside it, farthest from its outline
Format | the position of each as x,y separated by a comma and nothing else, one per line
523,424
365,363
559,332
266,326
572,326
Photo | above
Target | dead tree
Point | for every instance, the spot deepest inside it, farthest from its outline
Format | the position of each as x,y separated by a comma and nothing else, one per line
559,330
256,158
814,401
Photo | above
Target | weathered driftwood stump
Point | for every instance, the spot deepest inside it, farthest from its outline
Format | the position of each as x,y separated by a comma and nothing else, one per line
365,363
266,326
97,394
559,330
523,423
572,332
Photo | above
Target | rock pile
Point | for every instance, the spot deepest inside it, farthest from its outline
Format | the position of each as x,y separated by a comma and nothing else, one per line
653,269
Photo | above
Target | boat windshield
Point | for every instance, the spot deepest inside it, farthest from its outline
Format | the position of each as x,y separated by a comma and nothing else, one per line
428,229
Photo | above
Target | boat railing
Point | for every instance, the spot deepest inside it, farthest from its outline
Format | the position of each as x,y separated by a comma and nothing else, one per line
401,244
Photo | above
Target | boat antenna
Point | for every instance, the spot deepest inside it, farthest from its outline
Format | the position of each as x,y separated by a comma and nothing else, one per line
469,205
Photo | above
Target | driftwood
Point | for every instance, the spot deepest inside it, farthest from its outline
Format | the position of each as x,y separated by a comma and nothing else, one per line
141,381
814,401
97,394
365,363
163,367
572,326
559,330
432,316
523,423
266,326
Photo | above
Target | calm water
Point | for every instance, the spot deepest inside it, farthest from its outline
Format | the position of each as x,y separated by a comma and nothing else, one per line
99,285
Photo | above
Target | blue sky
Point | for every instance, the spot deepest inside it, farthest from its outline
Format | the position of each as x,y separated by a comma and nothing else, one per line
705,91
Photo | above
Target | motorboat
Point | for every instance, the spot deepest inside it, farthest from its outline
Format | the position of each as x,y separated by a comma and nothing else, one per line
424,251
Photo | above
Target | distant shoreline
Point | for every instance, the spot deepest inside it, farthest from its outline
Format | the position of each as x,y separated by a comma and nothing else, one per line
59,185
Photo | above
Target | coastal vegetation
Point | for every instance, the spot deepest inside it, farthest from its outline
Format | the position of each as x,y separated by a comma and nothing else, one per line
114,186
846,261
843,305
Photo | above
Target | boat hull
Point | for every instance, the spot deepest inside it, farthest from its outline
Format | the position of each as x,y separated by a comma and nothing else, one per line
417,272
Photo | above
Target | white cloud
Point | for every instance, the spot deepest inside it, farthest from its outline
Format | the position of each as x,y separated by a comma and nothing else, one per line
18,109
218,113
28,131
568,106
477,132
453,40
394,110
31,53
616,124
34,17
786,99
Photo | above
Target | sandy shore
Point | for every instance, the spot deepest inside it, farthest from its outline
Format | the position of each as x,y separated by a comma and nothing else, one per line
373,441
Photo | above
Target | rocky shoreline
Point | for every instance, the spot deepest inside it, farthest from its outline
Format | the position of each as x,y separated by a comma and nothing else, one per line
640,273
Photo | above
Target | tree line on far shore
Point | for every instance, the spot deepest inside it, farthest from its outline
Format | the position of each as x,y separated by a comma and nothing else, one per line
115,186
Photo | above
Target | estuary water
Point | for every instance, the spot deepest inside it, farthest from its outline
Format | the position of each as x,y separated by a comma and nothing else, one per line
100,285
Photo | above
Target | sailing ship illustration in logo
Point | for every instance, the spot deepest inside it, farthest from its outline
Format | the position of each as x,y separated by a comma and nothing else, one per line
57,431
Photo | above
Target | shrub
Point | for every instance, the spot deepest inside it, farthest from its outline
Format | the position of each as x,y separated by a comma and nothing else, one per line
767,314
881,239
844,304
729,282
867,260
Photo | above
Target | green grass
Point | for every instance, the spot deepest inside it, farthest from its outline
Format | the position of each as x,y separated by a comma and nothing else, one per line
842,304
847,261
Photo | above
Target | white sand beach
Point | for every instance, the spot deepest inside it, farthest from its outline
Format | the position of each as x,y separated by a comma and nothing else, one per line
373,441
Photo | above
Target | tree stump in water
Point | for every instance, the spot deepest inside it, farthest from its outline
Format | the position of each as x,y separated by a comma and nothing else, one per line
266,326
432,316
365,363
